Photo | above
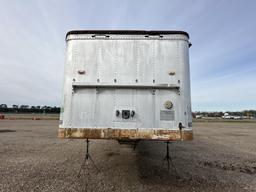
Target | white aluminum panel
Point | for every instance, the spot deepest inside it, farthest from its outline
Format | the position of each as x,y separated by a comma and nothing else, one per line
166,61
145,63
121,60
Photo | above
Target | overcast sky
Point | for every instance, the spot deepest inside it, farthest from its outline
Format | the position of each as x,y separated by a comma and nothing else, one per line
222,58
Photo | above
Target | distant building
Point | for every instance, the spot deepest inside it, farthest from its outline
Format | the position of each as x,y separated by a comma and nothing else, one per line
227,116
199,116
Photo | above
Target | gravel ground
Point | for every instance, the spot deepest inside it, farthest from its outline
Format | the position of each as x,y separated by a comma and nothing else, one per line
222,157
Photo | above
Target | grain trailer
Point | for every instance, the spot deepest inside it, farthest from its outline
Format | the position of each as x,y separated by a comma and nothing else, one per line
126,84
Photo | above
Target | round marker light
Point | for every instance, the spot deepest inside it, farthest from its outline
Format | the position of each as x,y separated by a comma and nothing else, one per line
168,104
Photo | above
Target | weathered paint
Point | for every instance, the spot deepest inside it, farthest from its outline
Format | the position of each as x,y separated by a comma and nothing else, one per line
126,71
131,134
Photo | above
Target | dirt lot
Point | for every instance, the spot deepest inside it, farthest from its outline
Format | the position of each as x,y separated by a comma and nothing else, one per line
222,157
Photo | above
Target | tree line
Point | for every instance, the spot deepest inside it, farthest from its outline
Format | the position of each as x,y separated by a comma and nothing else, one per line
49,109
28,109
248,113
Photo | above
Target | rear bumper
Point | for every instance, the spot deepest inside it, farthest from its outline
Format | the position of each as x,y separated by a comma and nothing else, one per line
128,134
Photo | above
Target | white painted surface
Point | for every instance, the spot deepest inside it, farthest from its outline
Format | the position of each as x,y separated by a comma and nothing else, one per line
126,60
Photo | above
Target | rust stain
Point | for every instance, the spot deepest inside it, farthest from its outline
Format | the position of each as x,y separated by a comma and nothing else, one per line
130,134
